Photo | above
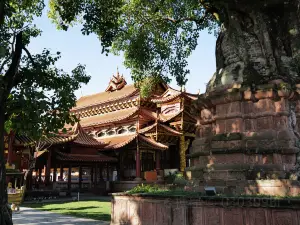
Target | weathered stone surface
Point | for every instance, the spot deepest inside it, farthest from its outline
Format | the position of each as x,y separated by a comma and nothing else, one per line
268,131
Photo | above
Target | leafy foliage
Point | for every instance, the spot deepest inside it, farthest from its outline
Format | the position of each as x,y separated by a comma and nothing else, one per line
144,189
176,179
41,95
156,36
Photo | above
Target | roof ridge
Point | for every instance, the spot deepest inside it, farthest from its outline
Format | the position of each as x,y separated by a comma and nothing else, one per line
103,101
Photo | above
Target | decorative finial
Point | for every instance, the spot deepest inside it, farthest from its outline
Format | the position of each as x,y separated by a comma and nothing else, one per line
199,92
118,72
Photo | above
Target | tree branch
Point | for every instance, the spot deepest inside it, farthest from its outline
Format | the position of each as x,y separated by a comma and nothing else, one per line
29,56
5,61
12,73
13,43
198,21
2,5
12,52
210,9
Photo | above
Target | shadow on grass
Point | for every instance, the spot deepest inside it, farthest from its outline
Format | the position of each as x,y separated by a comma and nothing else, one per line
95,216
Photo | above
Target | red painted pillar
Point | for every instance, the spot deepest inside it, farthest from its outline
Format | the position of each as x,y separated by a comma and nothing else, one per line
11,137
157,161
138,164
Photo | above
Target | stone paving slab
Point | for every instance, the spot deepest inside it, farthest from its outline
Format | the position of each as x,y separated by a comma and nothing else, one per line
29,216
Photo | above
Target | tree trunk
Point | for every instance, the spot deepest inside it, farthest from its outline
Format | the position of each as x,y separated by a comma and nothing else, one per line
259,42
5,212
7,83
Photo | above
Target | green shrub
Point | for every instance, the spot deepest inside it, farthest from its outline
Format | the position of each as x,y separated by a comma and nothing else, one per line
180,181
176,179
144,189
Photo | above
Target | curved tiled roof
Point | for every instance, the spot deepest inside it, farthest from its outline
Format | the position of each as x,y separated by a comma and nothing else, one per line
117,142
84,158
168,117
84,139
104,97
161,128
77,135
165,118
153,143
149,113
171,94
110,117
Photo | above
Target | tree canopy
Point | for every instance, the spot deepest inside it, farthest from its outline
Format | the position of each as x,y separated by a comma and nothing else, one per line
41,94
257,40
156,36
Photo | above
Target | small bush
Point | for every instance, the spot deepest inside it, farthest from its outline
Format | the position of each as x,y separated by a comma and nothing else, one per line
144,189
176,179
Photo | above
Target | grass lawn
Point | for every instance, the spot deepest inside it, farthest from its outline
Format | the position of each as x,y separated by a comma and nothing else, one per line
98,210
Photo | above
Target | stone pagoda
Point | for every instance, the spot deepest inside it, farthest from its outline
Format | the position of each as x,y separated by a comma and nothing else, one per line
247,139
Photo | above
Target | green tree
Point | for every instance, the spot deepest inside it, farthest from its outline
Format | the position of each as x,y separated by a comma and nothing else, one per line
35,96
258,40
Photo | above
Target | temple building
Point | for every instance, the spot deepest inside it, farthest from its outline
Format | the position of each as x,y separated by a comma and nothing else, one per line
120,136
143,134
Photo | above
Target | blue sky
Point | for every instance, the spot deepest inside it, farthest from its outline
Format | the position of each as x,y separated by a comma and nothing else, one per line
76,48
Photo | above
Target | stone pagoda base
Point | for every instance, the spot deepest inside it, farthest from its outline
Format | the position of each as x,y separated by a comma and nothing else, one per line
247,141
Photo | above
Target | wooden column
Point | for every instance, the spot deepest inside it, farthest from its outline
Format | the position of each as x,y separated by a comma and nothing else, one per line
92,174
69,178
138,165
40,176
54,172
121,166
157,160
138,158
96,173
61,172
107,172
29,181
100,171
80,178
48,168
10,147
182,153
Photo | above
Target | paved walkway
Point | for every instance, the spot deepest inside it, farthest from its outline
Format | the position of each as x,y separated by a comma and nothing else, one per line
28,216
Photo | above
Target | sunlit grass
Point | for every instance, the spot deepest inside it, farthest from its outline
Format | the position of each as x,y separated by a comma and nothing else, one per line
98,210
